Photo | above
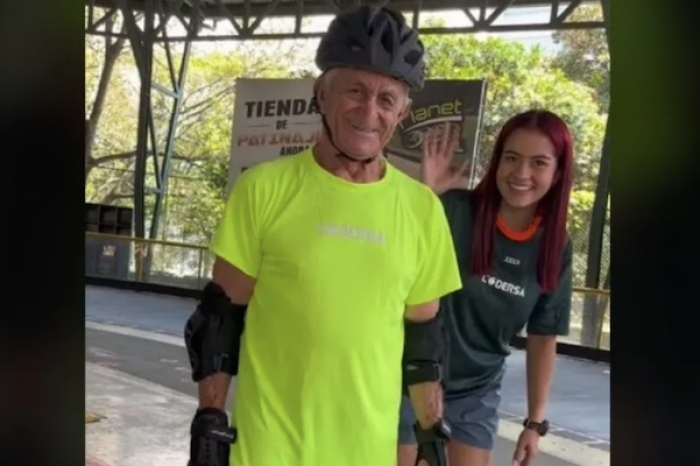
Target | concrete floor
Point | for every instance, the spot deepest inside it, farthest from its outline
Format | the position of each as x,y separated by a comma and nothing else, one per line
579,402
579,407
143,424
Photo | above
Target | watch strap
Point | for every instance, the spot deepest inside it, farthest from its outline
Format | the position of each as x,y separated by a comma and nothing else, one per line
540,427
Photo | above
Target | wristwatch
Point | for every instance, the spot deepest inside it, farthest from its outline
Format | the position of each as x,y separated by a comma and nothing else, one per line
540,427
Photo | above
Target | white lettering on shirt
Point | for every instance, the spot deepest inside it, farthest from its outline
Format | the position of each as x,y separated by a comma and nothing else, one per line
353,233
499,284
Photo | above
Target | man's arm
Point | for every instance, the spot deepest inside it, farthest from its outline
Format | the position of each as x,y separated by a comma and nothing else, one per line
426,398
422,312
425,337
239,289
213,332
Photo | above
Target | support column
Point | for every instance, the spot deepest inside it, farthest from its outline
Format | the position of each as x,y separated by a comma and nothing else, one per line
149,144
600,207
606,20
142,46
600,204
177,94
148,141
594,306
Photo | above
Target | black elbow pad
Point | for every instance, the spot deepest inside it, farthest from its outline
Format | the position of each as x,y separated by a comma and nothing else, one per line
424,351
213,334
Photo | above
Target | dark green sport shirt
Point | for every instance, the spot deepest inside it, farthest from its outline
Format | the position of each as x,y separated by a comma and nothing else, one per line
489,310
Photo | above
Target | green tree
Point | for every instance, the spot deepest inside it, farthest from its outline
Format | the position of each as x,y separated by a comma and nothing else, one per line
199,166
204,129
109,128
204,135
584,56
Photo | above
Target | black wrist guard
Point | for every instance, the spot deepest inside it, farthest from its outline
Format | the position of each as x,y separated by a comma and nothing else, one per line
211,438
432,443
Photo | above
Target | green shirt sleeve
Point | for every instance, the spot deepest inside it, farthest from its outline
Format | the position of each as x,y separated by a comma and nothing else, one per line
552,313
438,273
238,239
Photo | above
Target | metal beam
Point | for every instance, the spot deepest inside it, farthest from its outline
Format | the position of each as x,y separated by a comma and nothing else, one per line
148,141
600,203
142,47
600,206
330,7
606,19
594,307
177,94
606,141
240,14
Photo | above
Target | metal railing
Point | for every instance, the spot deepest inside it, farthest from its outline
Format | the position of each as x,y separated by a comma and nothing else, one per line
188,266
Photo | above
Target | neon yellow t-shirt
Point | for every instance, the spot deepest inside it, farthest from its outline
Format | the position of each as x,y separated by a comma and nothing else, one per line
336,263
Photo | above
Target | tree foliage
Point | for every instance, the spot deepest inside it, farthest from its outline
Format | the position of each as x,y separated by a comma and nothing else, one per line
199,166
107,93
584,55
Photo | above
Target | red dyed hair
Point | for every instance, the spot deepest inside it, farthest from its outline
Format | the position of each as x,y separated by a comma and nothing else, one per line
553,207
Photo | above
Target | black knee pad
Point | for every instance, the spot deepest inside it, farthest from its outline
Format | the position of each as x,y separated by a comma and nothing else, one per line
213,334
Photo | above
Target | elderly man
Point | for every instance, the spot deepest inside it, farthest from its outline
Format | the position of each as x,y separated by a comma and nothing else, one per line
336,261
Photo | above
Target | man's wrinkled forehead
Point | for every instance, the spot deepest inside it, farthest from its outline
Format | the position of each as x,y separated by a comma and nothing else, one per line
369,80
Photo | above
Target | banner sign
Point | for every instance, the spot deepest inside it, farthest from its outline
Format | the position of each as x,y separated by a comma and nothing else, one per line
278,117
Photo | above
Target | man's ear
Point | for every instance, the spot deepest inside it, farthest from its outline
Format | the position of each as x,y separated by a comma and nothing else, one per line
406,110
320,95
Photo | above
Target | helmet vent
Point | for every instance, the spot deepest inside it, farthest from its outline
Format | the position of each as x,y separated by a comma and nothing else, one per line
413,57
387,40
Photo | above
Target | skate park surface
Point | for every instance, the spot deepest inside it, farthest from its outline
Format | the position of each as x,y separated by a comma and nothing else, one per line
138,385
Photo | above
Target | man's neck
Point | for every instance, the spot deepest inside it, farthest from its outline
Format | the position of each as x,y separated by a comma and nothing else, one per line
356,172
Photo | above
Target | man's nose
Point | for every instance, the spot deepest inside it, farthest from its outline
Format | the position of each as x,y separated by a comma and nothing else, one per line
369,107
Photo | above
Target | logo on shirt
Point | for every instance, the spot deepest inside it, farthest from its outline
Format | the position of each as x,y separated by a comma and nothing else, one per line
511,260
353,233
503,286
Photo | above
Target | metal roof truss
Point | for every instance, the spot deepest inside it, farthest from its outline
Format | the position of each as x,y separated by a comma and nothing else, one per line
199,17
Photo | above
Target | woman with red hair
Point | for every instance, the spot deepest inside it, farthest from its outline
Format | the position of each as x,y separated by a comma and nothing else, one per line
515,258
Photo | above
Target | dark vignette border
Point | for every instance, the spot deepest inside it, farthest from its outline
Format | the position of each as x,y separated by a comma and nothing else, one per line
42,124
655,143
655,148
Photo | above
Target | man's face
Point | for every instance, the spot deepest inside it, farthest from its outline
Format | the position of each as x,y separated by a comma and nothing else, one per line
362,109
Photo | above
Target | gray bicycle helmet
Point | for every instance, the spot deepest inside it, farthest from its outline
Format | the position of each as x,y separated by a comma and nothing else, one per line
376,39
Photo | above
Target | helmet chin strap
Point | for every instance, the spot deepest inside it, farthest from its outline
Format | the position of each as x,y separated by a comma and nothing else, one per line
340,153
